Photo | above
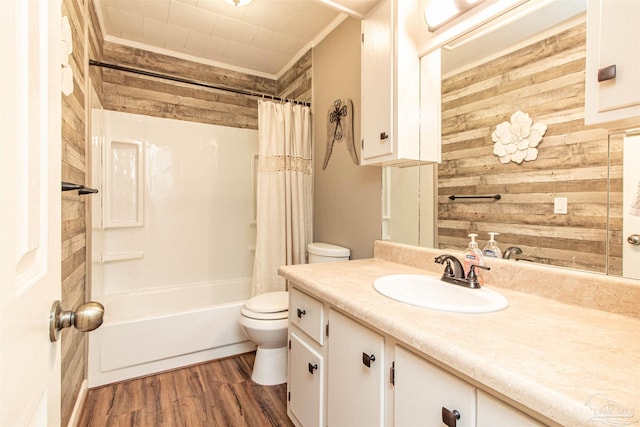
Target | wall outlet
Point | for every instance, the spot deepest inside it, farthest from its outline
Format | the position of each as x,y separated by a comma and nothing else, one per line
560,205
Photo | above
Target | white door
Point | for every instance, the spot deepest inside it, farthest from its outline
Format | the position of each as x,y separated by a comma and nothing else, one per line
29,211
631,210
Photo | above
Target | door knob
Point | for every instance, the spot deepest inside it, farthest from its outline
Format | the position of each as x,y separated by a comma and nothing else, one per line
85,318
634,239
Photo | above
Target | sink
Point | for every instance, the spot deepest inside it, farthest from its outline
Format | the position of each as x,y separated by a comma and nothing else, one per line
431,292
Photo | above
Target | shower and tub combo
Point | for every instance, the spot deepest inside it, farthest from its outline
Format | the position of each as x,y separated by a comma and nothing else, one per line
172,256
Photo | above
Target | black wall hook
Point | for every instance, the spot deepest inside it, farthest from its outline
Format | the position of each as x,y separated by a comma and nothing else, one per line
69,186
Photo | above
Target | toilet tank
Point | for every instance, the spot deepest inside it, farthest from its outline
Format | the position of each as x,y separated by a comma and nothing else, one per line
326,252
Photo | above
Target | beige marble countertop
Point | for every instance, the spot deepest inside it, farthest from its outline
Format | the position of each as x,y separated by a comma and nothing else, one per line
572,365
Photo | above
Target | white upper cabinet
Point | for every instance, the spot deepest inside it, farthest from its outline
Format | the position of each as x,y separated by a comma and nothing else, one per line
390,84
612,80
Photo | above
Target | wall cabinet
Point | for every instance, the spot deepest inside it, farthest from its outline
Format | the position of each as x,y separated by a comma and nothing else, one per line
390,82
612,80
341,380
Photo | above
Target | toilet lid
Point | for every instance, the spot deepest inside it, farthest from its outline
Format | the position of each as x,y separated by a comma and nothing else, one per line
264,316
270,302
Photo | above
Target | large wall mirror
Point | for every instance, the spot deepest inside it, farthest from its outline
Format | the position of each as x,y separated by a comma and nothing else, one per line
532,62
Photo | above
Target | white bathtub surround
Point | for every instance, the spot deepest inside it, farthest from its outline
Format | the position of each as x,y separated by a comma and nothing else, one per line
284,192
166,328
172,250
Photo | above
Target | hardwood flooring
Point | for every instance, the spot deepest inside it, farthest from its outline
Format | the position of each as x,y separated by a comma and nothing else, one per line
218,393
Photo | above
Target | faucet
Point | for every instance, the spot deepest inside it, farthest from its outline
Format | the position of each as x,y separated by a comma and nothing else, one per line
455,275
457,271
511,251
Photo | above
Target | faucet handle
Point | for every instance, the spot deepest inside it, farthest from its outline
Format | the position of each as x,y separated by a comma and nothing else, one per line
448,270
472,277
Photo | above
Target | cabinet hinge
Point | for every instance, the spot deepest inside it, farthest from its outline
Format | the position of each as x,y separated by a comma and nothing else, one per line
362,144
326,330
288,395
362,37
289,344
392,373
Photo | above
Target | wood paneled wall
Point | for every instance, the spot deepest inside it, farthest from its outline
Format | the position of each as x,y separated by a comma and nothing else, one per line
151,96
545,80
74,206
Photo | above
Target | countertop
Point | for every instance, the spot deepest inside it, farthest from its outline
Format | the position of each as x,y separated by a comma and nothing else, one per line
571,364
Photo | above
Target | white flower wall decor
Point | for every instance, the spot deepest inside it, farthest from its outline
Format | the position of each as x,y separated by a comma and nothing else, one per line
516,141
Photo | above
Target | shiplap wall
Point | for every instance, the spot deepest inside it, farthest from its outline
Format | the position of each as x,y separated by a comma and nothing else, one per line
151,96
545,80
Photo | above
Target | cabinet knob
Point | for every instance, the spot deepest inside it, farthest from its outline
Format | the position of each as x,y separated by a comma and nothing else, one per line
384,135
607,73
634,239
312,367
450,418
301,313
367,359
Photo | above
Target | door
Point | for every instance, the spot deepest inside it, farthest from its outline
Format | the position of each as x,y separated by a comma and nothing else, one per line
29,211
631,208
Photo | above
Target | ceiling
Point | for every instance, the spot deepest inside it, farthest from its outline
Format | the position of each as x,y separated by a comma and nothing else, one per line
264,37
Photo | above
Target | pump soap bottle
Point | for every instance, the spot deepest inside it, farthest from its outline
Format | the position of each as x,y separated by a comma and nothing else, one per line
472,255
492,250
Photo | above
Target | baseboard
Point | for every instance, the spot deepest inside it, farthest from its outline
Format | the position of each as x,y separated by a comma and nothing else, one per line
77,408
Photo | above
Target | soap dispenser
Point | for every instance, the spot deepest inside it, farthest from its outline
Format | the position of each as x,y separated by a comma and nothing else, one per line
491,249
472,256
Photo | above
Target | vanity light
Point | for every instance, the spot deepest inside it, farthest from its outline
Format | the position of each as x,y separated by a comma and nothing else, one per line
238,2
439,12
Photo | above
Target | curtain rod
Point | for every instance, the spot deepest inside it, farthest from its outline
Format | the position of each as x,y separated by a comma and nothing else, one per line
194,82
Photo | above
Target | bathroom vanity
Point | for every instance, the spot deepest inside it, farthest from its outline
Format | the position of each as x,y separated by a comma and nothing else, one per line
360,358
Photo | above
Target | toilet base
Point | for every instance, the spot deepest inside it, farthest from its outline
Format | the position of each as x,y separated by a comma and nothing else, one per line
270,366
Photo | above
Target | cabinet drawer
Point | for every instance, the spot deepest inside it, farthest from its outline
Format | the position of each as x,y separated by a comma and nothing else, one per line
306,313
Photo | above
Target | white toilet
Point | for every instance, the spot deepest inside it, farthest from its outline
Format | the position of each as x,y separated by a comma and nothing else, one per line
264,320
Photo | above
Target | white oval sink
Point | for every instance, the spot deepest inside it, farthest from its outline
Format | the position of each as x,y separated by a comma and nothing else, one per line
431,292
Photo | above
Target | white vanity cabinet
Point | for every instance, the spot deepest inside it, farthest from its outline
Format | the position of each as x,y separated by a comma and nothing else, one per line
306,375
390,82
423,392
612,79
355,373
492,412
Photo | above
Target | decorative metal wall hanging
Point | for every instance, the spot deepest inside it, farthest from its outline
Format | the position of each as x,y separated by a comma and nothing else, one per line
517,140
340,129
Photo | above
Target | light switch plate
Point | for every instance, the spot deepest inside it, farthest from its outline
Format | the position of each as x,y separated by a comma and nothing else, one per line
560,205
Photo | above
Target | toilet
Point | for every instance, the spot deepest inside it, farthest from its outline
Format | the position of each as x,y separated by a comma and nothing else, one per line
264,319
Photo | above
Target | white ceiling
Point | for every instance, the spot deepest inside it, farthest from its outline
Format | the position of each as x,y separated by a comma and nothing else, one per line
264,37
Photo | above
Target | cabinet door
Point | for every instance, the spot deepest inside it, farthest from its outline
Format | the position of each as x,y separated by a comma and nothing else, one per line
422,390
377,69
495,413
613,39
355,390
306,385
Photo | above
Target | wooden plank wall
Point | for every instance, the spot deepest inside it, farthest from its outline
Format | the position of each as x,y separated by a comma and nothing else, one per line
545,80
138,94
74,234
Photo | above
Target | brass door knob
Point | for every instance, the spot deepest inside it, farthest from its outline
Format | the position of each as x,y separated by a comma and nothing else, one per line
85,318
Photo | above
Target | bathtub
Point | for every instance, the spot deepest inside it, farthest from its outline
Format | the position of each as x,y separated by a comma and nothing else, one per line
150,331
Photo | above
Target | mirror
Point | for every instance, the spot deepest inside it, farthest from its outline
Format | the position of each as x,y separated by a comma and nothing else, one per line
535,64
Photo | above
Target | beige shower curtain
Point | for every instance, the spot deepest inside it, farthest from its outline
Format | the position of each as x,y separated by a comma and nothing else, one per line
283,192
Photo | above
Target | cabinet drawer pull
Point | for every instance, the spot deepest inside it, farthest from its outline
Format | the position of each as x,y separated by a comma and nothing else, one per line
450,418
301,313
384,135
312,368
607,73
367,359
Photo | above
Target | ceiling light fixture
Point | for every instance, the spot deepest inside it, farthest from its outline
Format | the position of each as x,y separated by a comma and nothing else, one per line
238,2
439,12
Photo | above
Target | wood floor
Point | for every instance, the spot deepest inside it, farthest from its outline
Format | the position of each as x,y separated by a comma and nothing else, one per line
218,393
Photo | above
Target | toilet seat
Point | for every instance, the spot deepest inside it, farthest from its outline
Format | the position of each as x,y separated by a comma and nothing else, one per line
267,306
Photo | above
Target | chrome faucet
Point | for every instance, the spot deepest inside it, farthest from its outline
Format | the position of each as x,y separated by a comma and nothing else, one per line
455,274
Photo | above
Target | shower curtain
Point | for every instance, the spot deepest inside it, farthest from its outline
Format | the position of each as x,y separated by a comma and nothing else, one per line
283,192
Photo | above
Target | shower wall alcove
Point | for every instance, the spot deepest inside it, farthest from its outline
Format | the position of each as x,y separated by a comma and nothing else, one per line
173,236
